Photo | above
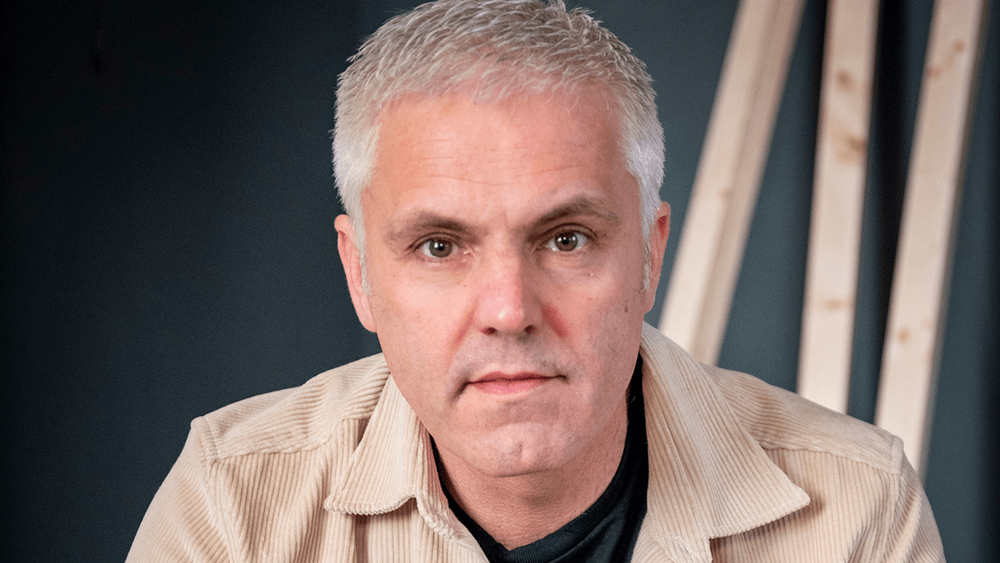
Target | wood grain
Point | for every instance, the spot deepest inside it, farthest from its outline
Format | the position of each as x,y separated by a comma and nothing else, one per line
726,184
919,288
838,203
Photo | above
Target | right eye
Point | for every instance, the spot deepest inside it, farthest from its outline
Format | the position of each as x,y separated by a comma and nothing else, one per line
437,248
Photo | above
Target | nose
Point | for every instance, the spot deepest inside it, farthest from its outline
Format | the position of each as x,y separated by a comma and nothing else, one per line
507,302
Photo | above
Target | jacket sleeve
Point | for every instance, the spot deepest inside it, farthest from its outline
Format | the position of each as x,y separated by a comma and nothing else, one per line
183,522
912,534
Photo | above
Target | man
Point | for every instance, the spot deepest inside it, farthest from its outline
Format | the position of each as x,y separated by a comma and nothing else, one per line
500,164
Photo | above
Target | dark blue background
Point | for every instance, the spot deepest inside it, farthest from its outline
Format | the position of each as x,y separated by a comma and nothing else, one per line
168,243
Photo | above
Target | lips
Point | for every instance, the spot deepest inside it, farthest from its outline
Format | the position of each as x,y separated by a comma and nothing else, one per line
508,383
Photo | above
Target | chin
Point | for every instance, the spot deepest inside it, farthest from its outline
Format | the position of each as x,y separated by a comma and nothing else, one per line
522,453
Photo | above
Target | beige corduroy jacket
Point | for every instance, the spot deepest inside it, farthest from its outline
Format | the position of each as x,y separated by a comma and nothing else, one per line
340,469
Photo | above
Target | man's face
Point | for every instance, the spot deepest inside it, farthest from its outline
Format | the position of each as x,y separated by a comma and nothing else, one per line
505,256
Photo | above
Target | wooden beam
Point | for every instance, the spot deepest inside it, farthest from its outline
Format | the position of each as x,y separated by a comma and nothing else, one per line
726,184
919,286
838,203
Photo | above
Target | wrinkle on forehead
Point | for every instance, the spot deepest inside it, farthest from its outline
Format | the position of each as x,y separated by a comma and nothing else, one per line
513,129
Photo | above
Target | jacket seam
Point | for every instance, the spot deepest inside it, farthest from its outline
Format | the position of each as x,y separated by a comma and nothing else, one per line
897,494
209,472
890,467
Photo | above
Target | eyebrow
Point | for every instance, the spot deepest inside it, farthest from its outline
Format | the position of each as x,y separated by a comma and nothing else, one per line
422,222
582,206
419,223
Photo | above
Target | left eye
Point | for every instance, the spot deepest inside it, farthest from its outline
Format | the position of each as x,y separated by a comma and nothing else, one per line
567,241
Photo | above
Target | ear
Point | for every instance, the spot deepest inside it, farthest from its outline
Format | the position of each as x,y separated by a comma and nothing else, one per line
659,232
351,258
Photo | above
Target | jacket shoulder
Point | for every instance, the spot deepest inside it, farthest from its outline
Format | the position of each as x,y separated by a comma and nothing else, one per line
781,420
296,419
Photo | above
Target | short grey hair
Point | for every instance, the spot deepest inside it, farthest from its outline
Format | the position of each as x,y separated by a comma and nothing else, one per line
499,48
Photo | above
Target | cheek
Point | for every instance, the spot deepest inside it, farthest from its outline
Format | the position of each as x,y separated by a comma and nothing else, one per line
421,321
407,334
415,333
612,317
602,299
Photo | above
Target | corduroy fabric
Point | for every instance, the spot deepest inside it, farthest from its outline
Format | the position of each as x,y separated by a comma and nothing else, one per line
340,469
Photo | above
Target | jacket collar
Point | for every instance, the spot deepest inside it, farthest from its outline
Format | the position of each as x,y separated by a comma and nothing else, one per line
392,464
708,477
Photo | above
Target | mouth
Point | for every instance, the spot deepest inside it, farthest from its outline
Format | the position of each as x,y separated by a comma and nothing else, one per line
497,383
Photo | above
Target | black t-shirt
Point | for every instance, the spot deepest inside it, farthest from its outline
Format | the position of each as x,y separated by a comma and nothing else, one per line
608,529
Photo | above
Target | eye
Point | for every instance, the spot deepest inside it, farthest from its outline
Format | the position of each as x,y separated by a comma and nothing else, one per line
437,248
567,241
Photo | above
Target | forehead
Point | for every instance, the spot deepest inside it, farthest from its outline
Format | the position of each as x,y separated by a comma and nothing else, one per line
452,138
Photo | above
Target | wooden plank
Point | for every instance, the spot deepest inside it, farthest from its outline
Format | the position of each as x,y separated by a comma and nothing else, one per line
917,303
838,203
726,184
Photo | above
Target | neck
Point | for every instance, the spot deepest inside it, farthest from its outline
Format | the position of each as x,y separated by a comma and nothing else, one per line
518,510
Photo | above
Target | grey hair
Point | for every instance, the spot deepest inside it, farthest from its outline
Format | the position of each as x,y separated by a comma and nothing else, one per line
498,48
